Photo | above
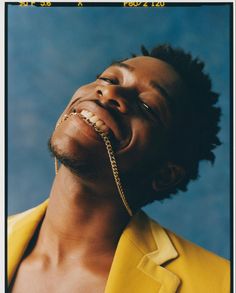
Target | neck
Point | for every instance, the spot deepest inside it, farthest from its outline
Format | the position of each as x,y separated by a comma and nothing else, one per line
81,220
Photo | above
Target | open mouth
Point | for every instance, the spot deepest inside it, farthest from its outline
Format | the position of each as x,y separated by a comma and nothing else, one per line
92,119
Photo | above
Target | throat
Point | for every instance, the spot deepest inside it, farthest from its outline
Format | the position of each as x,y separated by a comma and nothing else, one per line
79,224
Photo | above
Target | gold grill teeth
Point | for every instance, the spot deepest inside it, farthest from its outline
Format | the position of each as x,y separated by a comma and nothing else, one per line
111,156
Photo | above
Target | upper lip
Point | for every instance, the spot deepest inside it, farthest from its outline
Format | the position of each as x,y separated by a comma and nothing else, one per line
122,137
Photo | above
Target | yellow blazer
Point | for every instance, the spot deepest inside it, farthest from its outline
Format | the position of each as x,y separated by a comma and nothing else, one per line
148,258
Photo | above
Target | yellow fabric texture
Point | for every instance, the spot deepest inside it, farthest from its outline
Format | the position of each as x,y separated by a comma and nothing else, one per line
148,258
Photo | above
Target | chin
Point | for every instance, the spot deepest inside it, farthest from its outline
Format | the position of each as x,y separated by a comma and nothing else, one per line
79,160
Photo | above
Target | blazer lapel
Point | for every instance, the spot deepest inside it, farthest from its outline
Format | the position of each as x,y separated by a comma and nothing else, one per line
143,247
21,229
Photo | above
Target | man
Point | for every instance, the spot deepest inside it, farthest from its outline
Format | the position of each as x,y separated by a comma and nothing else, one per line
134,135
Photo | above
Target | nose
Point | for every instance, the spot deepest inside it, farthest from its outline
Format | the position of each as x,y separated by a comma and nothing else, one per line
112,97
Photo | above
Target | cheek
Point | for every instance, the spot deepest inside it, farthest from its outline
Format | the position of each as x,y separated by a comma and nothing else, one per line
85,90
146,135
145,145
82,92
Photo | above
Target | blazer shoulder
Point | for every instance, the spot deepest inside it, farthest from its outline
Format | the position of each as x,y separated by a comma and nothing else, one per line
188,248
26,217
198,269
16,218
200,266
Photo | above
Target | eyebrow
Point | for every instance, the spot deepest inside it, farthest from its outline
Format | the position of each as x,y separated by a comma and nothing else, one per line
123,65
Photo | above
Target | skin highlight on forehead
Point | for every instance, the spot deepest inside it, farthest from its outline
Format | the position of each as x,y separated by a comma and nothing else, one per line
169,82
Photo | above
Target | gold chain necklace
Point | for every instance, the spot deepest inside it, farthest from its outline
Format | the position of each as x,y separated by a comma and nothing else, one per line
111,156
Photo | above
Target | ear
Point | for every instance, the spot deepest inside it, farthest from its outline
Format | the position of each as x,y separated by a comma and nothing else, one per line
168,176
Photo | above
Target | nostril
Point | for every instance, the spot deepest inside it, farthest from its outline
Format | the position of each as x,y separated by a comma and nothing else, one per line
108,97
99,92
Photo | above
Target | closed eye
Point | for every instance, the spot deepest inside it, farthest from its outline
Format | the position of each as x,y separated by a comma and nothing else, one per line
108,80
146,108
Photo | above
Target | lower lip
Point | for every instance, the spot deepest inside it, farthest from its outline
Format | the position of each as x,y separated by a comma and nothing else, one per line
84,128
89,132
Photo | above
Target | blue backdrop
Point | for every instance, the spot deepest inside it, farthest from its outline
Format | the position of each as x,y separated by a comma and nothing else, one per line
52,51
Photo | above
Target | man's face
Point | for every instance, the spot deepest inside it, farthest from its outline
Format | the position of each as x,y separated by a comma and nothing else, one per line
129,102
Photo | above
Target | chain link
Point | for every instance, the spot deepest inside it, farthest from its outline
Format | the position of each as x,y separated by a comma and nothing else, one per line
111,156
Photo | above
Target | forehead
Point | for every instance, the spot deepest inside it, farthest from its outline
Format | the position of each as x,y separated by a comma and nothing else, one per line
149,68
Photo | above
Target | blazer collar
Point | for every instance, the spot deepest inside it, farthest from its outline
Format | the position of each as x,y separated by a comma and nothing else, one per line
137,267
143,248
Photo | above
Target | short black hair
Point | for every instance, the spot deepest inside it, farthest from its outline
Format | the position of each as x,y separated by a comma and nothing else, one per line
196,118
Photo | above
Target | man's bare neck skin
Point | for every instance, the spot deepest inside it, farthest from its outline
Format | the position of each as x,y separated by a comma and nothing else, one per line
82,223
